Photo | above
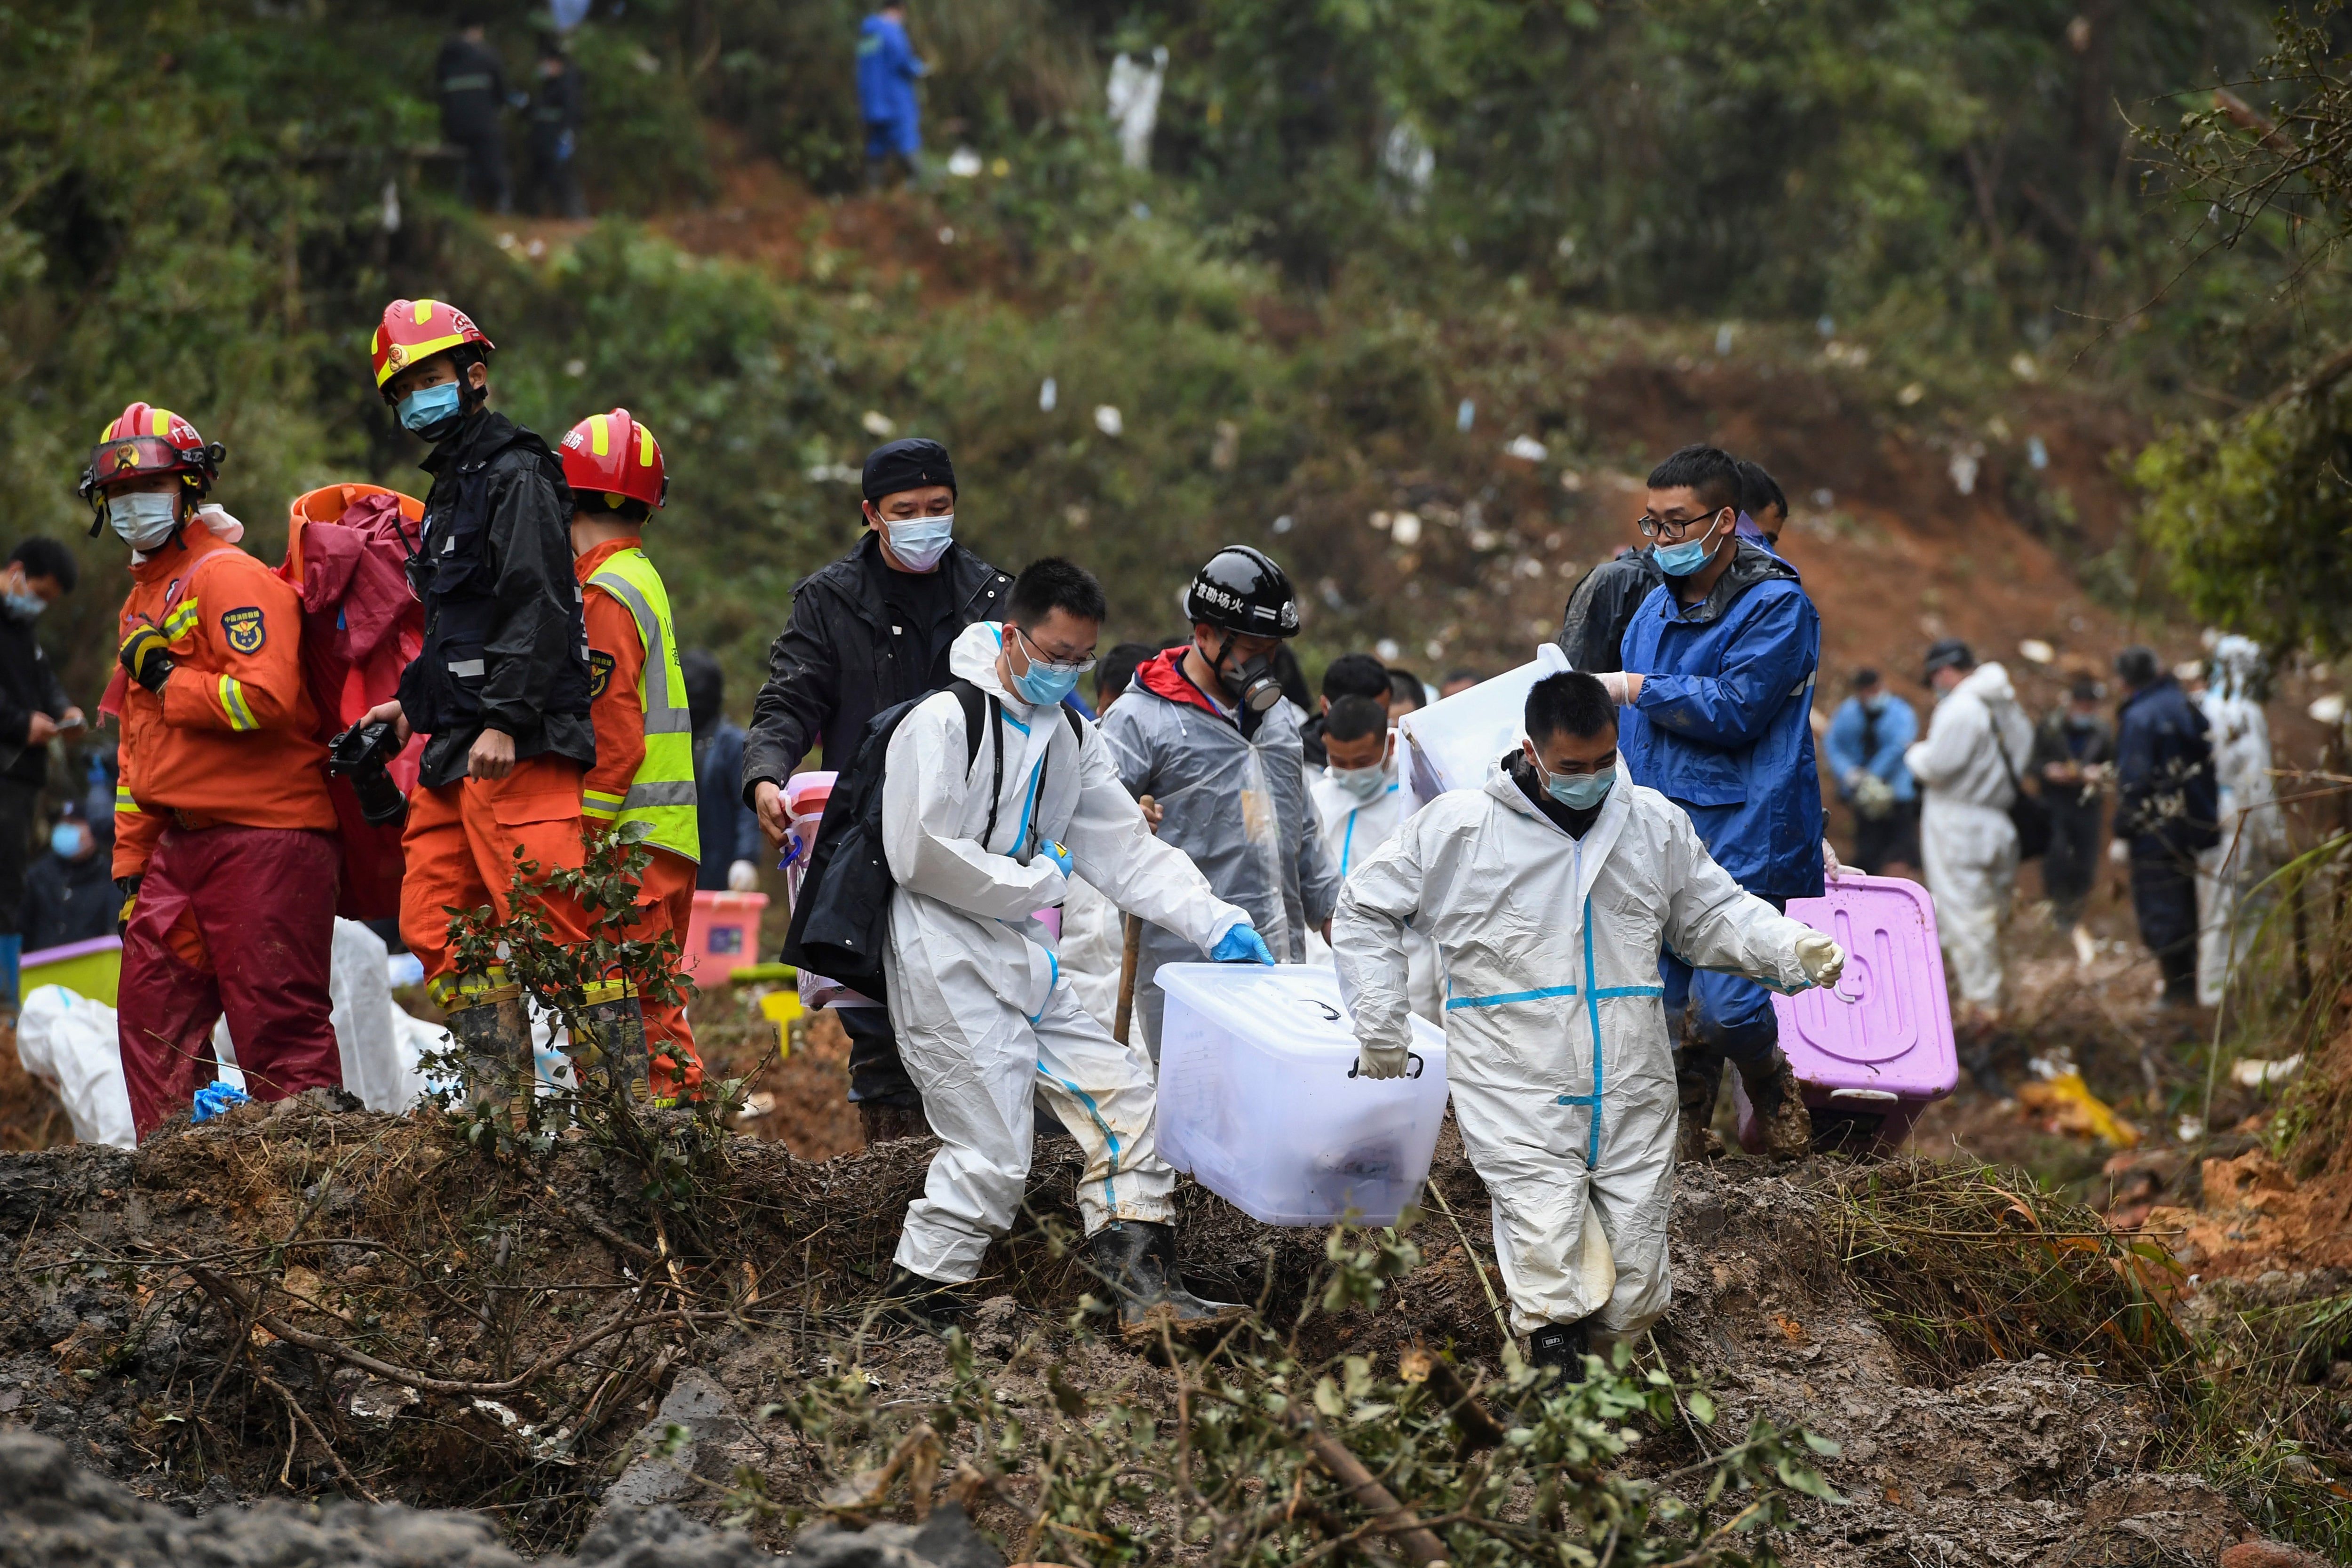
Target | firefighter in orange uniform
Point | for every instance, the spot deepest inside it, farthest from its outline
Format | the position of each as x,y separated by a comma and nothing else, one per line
645,735
501,684
224,848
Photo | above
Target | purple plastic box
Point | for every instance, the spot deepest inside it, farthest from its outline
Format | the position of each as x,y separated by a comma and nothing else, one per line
1872,1058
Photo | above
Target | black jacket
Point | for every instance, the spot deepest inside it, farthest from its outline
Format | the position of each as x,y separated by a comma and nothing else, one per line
1592,629
558,103
836,663
69,901
2167,801
28,684
2053,741
536,651
471,83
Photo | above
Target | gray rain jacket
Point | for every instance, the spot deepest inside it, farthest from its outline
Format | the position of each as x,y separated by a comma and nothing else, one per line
1236,802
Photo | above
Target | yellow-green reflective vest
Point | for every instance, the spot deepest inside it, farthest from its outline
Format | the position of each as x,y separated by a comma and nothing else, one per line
661,795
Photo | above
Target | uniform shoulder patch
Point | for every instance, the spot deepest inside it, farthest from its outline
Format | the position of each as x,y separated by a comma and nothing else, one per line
244,628
599,673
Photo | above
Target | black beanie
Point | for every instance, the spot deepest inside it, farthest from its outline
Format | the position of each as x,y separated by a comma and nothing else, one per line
907,465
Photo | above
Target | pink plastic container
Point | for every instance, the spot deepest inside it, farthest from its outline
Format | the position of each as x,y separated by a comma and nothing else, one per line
1872,1058
723,936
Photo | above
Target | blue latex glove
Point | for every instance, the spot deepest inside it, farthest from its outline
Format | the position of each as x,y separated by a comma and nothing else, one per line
1057,855
1241,945
216,1098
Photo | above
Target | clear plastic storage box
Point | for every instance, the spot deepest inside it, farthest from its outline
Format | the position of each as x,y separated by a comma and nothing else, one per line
1256,1100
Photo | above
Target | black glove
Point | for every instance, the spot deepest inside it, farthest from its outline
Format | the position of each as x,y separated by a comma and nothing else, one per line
146,654
129,888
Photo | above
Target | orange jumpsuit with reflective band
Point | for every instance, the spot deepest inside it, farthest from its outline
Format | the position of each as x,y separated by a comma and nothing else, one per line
233,737
617,657
223,810
460,848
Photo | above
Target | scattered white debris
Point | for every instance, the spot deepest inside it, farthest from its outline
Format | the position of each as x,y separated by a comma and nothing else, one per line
878,424
1526,449
964,163
1108,421
2253,1072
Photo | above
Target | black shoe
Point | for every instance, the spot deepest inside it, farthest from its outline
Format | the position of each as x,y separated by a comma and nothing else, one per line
924,1303
1561,1345
1135,1259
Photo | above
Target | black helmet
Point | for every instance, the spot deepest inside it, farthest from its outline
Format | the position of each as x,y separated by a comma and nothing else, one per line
1241,590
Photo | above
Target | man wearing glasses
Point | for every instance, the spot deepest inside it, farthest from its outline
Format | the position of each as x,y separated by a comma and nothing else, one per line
982,833
1718,687
868,632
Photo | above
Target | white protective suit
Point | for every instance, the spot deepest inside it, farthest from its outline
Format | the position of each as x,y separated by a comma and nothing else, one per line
984,1020
1092,949
1557,1051
2254,833
1355,830
1964,835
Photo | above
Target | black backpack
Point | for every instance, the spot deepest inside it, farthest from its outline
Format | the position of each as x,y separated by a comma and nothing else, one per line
841,922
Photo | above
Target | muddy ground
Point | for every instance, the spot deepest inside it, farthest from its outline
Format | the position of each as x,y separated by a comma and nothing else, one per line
159,1313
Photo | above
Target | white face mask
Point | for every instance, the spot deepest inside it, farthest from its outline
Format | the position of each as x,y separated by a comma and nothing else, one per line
1364,784
144,519
919,542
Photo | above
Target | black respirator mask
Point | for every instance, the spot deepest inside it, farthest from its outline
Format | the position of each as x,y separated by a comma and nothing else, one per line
1251,683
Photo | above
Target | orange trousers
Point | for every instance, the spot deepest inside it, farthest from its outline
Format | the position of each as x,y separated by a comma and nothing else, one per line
667,904
459,849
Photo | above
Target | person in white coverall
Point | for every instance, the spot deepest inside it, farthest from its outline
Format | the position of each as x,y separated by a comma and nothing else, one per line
985,1019
1549,894
2253,832
1979,743
1358,805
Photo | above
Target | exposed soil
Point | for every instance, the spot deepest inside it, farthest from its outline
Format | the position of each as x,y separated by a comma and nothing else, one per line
127,1342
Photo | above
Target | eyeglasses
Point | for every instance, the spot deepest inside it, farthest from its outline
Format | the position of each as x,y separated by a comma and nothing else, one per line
1038,656
1653,527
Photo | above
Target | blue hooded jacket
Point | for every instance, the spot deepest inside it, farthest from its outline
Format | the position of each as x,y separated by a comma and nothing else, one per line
886,70
1723,725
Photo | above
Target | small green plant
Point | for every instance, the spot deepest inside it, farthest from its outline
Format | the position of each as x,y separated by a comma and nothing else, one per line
679,1153
1271,1461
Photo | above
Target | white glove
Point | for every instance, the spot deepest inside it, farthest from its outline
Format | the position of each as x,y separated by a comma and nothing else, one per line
743,876
1381,1061
1823,959
1832,866
1614,682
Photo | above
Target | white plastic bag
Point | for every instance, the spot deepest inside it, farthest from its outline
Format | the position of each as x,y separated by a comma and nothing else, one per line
68,1041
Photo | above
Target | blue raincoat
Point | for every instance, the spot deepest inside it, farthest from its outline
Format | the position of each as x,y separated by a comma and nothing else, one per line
886,71
1724,728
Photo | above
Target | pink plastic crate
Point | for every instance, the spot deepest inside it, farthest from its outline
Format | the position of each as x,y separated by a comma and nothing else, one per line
1875,1059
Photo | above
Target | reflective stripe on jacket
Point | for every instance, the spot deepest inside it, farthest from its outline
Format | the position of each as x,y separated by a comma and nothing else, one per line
659,791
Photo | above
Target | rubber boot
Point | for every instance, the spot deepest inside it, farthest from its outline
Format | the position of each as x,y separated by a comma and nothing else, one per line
921,1302
500,1077
610,1052
1136,1259
1698,1076
1780,1107
882,1121
1562,1346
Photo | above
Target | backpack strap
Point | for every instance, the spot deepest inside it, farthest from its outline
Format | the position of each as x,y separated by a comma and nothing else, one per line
977,703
